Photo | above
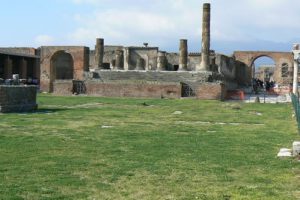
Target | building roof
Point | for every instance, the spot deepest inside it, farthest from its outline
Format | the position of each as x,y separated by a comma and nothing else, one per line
18,54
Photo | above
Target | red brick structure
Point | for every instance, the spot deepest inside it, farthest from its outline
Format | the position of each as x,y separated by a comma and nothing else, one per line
283,63
62,63
211,91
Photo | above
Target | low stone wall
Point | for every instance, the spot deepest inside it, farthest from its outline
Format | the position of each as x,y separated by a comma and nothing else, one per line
17,98
211,91
158,76
139,90
63,87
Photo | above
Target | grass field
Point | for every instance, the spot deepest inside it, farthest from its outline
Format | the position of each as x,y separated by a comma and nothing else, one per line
105,148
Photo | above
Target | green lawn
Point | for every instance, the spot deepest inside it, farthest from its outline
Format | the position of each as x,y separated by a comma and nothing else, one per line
106,148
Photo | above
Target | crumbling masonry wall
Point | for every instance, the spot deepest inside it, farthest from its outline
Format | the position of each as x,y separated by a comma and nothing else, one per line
80,56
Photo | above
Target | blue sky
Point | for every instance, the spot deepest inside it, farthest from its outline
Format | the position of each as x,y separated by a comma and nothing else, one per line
236,24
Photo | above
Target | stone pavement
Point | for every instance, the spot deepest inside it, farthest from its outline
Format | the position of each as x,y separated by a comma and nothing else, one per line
265,98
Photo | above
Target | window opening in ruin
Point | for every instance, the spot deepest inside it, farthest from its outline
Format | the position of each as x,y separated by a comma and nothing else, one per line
79,87
187,91
106,65
176,67
284,70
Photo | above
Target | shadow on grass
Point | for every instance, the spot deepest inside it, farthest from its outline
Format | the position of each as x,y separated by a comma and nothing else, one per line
49,110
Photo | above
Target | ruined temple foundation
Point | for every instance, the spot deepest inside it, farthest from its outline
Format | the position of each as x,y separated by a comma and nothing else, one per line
205,52
148,84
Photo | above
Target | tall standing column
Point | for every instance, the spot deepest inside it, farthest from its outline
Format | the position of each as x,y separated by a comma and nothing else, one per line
23,68
296,53
126,58
183,55
8,68
205,52
295,78
99,53
119,59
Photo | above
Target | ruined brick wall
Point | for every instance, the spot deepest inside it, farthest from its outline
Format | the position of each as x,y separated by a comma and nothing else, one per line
80,63
63,87
280,59
17,98
141,89
211,91
122,89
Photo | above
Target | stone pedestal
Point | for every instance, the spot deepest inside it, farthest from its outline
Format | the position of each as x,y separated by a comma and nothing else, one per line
99,53
205,52
183,55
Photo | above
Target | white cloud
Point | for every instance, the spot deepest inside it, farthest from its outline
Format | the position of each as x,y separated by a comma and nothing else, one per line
43,40
163,23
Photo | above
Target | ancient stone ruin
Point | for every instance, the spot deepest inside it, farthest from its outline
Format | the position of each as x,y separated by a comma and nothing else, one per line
17,98
138,71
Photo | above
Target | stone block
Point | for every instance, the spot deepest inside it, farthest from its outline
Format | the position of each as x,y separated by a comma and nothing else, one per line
296,148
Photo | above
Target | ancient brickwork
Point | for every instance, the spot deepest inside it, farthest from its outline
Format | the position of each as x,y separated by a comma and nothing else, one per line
18,98
80,56
280,58
63,87
210,91
133,89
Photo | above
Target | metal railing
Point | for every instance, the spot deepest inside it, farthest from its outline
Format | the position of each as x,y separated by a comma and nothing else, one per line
296,105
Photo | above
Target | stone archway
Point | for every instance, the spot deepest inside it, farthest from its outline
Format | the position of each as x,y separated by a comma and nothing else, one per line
283,63
263,68
61,67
